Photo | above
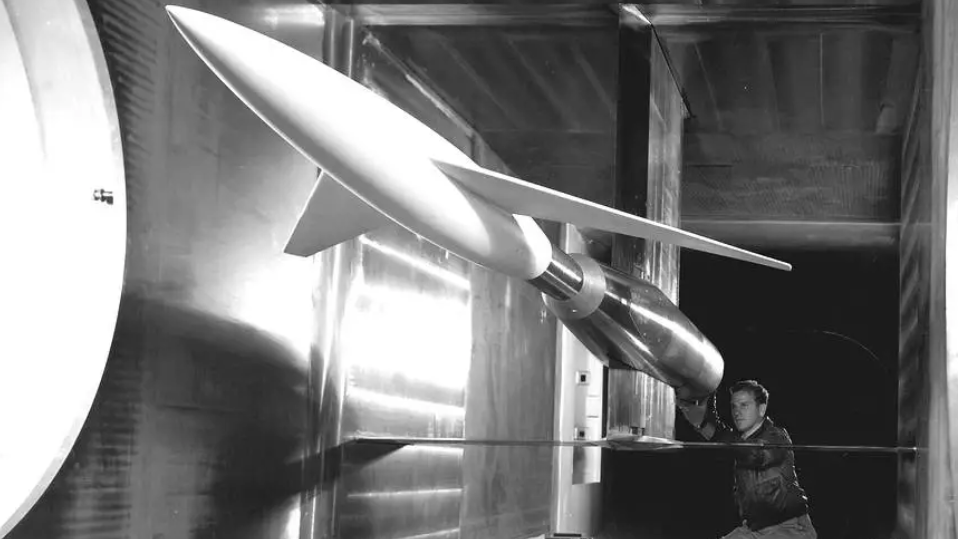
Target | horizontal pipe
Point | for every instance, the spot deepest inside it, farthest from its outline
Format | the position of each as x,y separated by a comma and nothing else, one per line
625,444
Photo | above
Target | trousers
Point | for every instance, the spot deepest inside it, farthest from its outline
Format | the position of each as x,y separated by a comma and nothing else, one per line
793,528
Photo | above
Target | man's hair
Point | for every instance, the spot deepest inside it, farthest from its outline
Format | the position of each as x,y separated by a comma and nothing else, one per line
757,390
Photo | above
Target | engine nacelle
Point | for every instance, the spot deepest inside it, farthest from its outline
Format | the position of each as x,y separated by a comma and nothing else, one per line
627,322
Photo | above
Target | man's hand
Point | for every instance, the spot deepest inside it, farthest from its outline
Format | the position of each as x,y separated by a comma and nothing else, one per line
694,411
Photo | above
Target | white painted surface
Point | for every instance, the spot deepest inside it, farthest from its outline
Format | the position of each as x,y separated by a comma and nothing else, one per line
332,216
521,197
376,150
63,252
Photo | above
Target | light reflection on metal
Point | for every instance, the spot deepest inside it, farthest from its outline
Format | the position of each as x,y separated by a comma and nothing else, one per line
405,340
395,316
694,340
634,11
404,403
438,450
445,275
293,522
405,493
270,304
451,532
398,290
327,386
562,279
294,15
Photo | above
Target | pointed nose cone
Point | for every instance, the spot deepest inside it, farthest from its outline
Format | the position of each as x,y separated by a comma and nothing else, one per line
177,13
278,82
199,29
214,40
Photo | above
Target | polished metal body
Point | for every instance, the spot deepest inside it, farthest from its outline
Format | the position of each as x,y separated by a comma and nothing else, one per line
562,279
631,324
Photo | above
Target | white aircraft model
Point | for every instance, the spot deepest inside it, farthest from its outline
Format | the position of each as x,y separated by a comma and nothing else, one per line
383,166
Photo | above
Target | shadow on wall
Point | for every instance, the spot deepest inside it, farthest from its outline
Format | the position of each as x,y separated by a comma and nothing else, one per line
197,430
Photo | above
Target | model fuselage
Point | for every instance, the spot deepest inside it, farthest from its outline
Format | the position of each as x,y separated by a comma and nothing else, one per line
374,149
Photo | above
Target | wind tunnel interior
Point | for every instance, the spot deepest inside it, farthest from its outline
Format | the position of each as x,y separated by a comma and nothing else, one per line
239,377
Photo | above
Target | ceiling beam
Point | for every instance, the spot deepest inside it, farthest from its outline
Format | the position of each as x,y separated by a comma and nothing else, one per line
798,235
889,17
883,17
497,15
792,149
814,177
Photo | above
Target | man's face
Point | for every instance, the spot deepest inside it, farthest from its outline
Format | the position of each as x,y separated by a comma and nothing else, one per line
746,413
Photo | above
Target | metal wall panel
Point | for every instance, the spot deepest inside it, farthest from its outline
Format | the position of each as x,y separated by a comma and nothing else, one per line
649,181
404,340
579,414
414,341
197,428
509,396
928,395
429,345
661,261
914,311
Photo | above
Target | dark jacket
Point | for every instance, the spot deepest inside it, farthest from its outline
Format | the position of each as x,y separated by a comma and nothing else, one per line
766,485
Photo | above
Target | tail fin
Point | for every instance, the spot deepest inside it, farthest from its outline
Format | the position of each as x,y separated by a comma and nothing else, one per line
332,216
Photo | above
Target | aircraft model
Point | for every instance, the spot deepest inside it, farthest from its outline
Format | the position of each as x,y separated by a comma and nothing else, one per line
383,166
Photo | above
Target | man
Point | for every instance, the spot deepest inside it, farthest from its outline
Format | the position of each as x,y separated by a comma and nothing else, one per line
771,503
